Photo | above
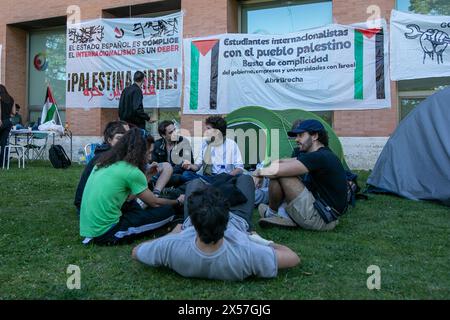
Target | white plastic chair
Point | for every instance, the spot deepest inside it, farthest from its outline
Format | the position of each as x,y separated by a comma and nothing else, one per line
7,155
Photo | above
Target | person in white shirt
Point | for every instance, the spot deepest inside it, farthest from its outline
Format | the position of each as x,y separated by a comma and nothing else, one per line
218,155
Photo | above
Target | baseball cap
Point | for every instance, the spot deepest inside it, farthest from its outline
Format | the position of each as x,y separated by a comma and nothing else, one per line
310,125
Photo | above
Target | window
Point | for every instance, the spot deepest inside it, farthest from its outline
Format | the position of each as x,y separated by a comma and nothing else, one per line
412,92
46,66
281,17
407,104
159,115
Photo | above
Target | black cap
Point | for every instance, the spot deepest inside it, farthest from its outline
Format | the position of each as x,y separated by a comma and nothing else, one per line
310,125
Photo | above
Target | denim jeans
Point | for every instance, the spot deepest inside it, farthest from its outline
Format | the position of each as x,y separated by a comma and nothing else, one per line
246,186
190,175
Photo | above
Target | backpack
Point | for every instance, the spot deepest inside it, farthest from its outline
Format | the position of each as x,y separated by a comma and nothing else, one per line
58,157
353,188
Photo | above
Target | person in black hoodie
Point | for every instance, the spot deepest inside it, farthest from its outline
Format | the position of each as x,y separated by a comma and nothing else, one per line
172,149
113,132
131,108
6,107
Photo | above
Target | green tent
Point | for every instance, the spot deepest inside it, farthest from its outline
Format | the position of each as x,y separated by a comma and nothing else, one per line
260,118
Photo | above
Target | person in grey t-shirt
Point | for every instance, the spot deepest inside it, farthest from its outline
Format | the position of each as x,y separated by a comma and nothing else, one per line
215,244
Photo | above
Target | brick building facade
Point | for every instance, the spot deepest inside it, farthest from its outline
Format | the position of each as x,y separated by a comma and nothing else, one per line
202,18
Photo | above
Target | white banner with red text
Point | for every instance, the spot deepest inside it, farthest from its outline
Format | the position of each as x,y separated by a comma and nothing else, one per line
104,54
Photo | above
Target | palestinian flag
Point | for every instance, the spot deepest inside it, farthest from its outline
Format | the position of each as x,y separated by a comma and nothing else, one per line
369,46
204,74
50,110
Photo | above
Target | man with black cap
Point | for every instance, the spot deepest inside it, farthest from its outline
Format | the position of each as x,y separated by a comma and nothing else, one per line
314,184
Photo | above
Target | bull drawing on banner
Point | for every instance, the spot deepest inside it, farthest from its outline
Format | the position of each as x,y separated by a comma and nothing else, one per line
433,41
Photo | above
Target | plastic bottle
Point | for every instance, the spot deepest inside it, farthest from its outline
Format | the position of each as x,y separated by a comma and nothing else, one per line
177,129
81,156
176,124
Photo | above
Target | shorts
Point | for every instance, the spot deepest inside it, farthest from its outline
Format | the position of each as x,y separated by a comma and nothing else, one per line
302,211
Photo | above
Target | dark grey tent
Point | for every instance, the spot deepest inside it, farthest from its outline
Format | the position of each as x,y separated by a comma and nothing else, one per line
415,162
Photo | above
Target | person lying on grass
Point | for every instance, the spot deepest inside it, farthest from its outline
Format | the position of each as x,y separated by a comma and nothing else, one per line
118,175
215,244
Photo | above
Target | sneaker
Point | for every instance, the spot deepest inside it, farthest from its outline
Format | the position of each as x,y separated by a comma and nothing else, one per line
263,212
277,221
258,239
175,222
283,213
86,241
170,193
166,229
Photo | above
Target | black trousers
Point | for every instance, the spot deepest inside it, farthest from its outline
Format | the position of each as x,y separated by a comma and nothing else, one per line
245,210
4,134
135,223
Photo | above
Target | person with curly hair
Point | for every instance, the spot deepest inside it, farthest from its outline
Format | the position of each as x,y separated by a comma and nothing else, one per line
118,176
218,155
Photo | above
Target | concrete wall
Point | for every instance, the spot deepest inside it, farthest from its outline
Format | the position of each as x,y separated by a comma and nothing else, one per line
362,153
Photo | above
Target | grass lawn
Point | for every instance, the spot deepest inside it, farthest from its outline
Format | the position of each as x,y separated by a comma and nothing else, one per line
39,239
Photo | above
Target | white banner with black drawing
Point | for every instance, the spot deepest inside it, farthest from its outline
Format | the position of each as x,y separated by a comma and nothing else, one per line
335,67
419,46
103,54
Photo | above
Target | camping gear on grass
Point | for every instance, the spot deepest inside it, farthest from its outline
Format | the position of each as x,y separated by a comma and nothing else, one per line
415,162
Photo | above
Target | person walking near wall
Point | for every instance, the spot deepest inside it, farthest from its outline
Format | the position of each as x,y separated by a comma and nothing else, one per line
131,107
6,108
